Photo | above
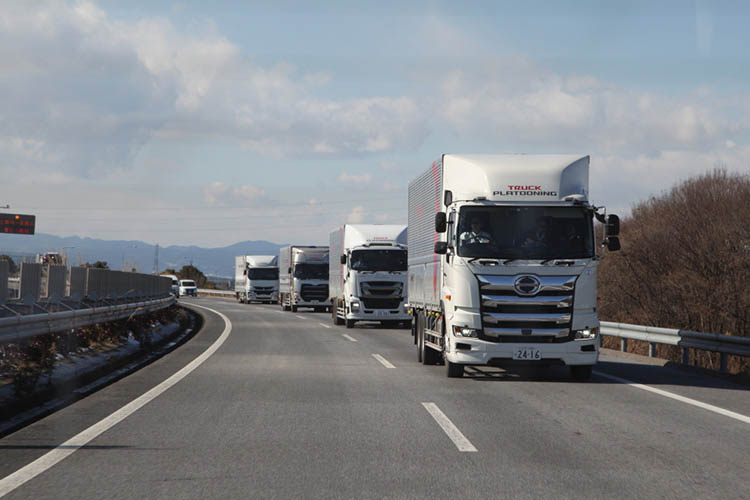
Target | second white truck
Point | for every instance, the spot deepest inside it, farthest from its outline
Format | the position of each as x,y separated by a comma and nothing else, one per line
367,274
303,277
256,278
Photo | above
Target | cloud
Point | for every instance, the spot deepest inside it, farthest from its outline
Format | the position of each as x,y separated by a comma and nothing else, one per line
84,92
357,215
214,193
220,194
361,179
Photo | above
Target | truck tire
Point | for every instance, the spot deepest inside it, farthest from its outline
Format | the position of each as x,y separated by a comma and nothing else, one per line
350,323
581,373
453,370
293,308
414,329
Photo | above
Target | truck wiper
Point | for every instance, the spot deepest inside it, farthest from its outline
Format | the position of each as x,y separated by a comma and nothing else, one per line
490,259
506,261
559,262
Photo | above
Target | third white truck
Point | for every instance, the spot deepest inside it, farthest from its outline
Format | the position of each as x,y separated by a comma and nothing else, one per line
367,274
256,278
503,261
303,277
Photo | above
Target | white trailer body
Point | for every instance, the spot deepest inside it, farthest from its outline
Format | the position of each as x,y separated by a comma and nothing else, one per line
514,279
256,278
303,277
368,274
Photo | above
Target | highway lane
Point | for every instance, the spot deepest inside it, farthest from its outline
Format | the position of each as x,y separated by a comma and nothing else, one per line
290,407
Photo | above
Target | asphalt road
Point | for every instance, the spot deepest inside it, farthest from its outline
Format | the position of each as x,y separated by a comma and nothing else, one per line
290,406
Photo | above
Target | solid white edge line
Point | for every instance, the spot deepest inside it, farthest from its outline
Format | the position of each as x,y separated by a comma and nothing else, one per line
694,402
348,337
449,428
383,361
324,325
49,459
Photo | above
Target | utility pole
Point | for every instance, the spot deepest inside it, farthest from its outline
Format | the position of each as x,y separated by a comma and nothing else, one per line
156,259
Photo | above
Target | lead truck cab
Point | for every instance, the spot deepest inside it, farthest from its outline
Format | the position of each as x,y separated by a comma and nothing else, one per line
503,261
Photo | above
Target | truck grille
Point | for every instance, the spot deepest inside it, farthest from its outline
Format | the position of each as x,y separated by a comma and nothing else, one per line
508,316
263,290
311,293
381,294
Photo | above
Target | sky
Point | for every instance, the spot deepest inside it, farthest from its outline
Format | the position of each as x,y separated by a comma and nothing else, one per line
209,123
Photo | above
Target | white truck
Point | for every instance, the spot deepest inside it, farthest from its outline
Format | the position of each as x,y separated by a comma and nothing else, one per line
303,277
367,274
256,278
503,261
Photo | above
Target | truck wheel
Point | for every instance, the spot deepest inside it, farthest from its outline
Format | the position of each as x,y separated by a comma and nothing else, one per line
413,324
581,373
453,370
350,323
293,308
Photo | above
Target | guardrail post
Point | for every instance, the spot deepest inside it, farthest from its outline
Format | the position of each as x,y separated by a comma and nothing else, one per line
77,283
651,349
31,281
723,362
623,344
56,281
685,355
3,281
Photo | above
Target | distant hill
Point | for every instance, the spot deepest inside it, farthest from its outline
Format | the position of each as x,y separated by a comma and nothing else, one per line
217,262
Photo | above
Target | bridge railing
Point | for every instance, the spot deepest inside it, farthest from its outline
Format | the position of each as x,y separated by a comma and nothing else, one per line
49,299
725,345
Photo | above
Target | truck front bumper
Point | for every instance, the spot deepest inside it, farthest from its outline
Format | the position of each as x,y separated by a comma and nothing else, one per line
480,352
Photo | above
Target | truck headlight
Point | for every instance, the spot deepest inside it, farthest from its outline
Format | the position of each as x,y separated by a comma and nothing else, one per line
462,331
354,306
587,333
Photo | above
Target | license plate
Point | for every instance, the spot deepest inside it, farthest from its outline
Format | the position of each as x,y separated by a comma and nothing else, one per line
381,313
527,354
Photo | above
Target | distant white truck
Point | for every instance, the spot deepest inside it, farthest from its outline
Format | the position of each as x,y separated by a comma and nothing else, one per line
303,277
256,278
503,261
367,274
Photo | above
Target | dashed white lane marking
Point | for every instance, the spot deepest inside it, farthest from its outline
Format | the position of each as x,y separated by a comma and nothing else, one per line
324,325
449,428
49,459
382,360
694,402
349,337
300,317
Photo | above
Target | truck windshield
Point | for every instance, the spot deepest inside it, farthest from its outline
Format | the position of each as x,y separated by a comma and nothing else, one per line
378,260
261,273
311,271
525,233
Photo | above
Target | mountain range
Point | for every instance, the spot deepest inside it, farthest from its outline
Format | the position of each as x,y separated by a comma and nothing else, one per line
120,254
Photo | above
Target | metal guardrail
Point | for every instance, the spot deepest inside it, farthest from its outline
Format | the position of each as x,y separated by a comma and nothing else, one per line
51,299
21,327
216,293
685,339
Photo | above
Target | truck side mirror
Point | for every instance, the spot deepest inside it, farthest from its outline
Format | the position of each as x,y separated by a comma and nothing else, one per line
613,243
441,247
343,259
441,222
613,225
